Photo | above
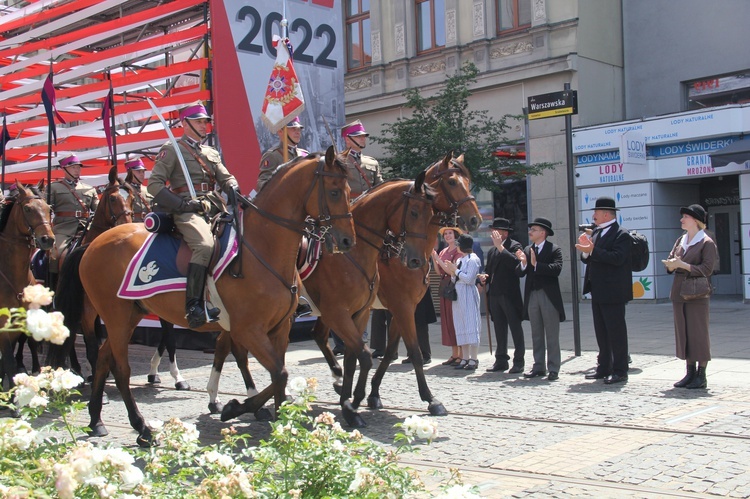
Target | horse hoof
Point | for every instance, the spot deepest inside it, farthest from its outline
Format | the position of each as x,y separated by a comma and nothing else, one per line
263,414
98,430
215,407
352,418
182,385
231,410
146,439
374,402
337,387
154,379
437,409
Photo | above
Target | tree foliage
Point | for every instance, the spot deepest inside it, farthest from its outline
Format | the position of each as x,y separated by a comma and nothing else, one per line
445,122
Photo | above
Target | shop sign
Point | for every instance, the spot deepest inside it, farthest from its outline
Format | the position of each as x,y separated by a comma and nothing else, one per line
690,147
613,173
633,195
589,196
598,157
633,148
694,166
638,217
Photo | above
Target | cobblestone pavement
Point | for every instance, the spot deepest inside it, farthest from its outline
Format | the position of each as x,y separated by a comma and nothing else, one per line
515,437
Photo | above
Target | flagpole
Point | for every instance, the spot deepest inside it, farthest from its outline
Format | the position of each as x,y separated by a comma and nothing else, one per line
112,120
49,153
5,144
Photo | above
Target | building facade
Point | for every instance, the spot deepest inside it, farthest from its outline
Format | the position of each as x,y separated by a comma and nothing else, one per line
522,48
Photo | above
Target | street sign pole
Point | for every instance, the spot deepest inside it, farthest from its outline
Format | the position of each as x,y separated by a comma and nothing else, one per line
564,103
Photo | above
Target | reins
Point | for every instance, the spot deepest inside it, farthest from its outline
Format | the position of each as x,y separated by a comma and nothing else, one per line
448,219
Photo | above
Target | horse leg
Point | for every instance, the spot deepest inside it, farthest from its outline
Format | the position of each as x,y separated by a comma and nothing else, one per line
269,350
365,359
320,333
168,342
221,350
34,345
20,367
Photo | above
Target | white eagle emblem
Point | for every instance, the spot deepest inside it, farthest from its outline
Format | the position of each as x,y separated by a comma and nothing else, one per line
146,273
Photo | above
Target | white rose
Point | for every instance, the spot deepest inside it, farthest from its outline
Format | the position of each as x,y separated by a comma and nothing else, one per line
131,477
39,324
298,384
37,296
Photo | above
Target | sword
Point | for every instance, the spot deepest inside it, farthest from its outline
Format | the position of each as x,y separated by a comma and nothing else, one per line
176,146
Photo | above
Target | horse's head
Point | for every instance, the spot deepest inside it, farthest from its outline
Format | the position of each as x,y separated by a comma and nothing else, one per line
116,203
408,218
33,218
452,182
327,202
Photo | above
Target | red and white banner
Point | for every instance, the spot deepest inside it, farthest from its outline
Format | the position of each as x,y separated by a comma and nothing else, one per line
283,100
248,57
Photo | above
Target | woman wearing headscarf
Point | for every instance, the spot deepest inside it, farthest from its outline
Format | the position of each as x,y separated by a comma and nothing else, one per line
693,255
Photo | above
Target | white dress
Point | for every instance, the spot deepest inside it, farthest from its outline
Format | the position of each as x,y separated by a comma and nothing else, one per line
466,317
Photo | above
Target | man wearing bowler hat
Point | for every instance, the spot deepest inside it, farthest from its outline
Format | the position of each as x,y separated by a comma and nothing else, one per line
504,296
272,158
541,262
610,281
364,171
135,177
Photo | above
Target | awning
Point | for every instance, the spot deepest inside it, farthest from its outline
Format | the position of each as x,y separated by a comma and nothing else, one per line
736,152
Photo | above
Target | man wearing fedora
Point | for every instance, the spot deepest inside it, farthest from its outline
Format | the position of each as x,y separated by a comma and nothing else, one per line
609,279
272,158
364,171
541,262
504,296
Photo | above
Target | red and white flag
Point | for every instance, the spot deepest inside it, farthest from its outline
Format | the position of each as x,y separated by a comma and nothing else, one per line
283,100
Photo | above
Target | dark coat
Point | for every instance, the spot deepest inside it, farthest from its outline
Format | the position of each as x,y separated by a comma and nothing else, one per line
608,276
548,267
501,272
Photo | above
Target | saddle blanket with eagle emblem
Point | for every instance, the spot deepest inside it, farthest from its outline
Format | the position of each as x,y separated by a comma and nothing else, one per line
154,269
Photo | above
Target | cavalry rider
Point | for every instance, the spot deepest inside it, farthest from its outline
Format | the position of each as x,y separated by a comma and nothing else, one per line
142,201
272,158
72,203
363,171
207,173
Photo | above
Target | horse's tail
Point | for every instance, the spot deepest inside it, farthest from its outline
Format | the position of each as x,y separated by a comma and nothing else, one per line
68,301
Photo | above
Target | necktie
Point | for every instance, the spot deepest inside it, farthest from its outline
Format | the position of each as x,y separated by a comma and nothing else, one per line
536,249
595,235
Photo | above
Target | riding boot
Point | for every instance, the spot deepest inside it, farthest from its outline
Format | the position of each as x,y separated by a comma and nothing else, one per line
689,376
699,381
195,307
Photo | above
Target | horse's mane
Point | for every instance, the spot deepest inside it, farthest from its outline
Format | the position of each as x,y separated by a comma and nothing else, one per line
428,190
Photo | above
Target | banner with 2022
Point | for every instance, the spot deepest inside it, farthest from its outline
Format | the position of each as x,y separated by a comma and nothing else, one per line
314,29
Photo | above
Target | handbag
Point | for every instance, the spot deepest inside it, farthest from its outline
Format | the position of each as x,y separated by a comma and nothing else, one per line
449,291
695,288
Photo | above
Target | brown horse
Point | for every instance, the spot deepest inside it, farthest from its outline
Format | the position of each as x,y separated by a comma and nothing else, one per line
115,208
25,224
305,195
401,290
391,221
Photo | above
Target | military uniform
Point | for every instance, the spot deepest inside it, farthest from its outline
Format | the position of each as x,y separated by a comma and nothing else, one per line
141,202
272,159
72,204
363,173
167,170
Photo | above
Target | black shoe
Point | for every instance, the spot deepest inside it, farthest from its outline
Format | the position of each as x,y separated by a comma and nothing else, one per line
497,367
406,361
303,309
426,361
615,378
471,365
461,364
377,354
340,351
534,374
596,376
516,369
552,376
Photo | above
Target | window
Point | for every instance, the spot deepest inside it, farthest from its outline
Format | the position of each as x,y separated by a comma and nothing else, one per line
430,24
513,15
359,52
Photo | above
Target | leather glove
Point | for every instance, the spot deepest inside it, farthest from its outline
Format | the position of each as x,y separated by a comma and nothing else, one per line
231,193
191,206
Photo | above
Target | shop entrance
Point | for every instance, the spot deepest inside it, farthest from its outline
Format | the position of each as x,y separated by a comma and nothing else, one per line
721,196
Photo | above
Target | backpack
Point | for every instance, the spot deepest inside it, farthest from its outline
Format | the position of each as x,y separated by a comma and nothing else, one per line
638,251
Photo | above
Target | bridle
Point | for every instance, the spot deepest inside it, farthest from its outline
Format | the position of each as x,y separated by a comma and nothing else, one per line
114,217
449,218
30,238
393,244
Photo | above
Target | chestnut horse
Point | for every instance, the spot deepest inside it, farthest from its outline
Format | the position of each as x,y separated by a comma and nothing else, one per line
25,224
391,221
400,290
115,208
308,194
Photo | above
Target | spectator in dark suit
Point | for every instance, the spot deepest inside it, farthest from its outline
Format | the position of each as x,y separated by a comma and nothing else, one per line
541,262
504,296
610,281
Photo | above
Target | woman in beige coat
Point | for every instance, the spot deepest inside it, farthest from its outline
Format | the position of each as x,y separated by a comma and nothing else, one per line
693,254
